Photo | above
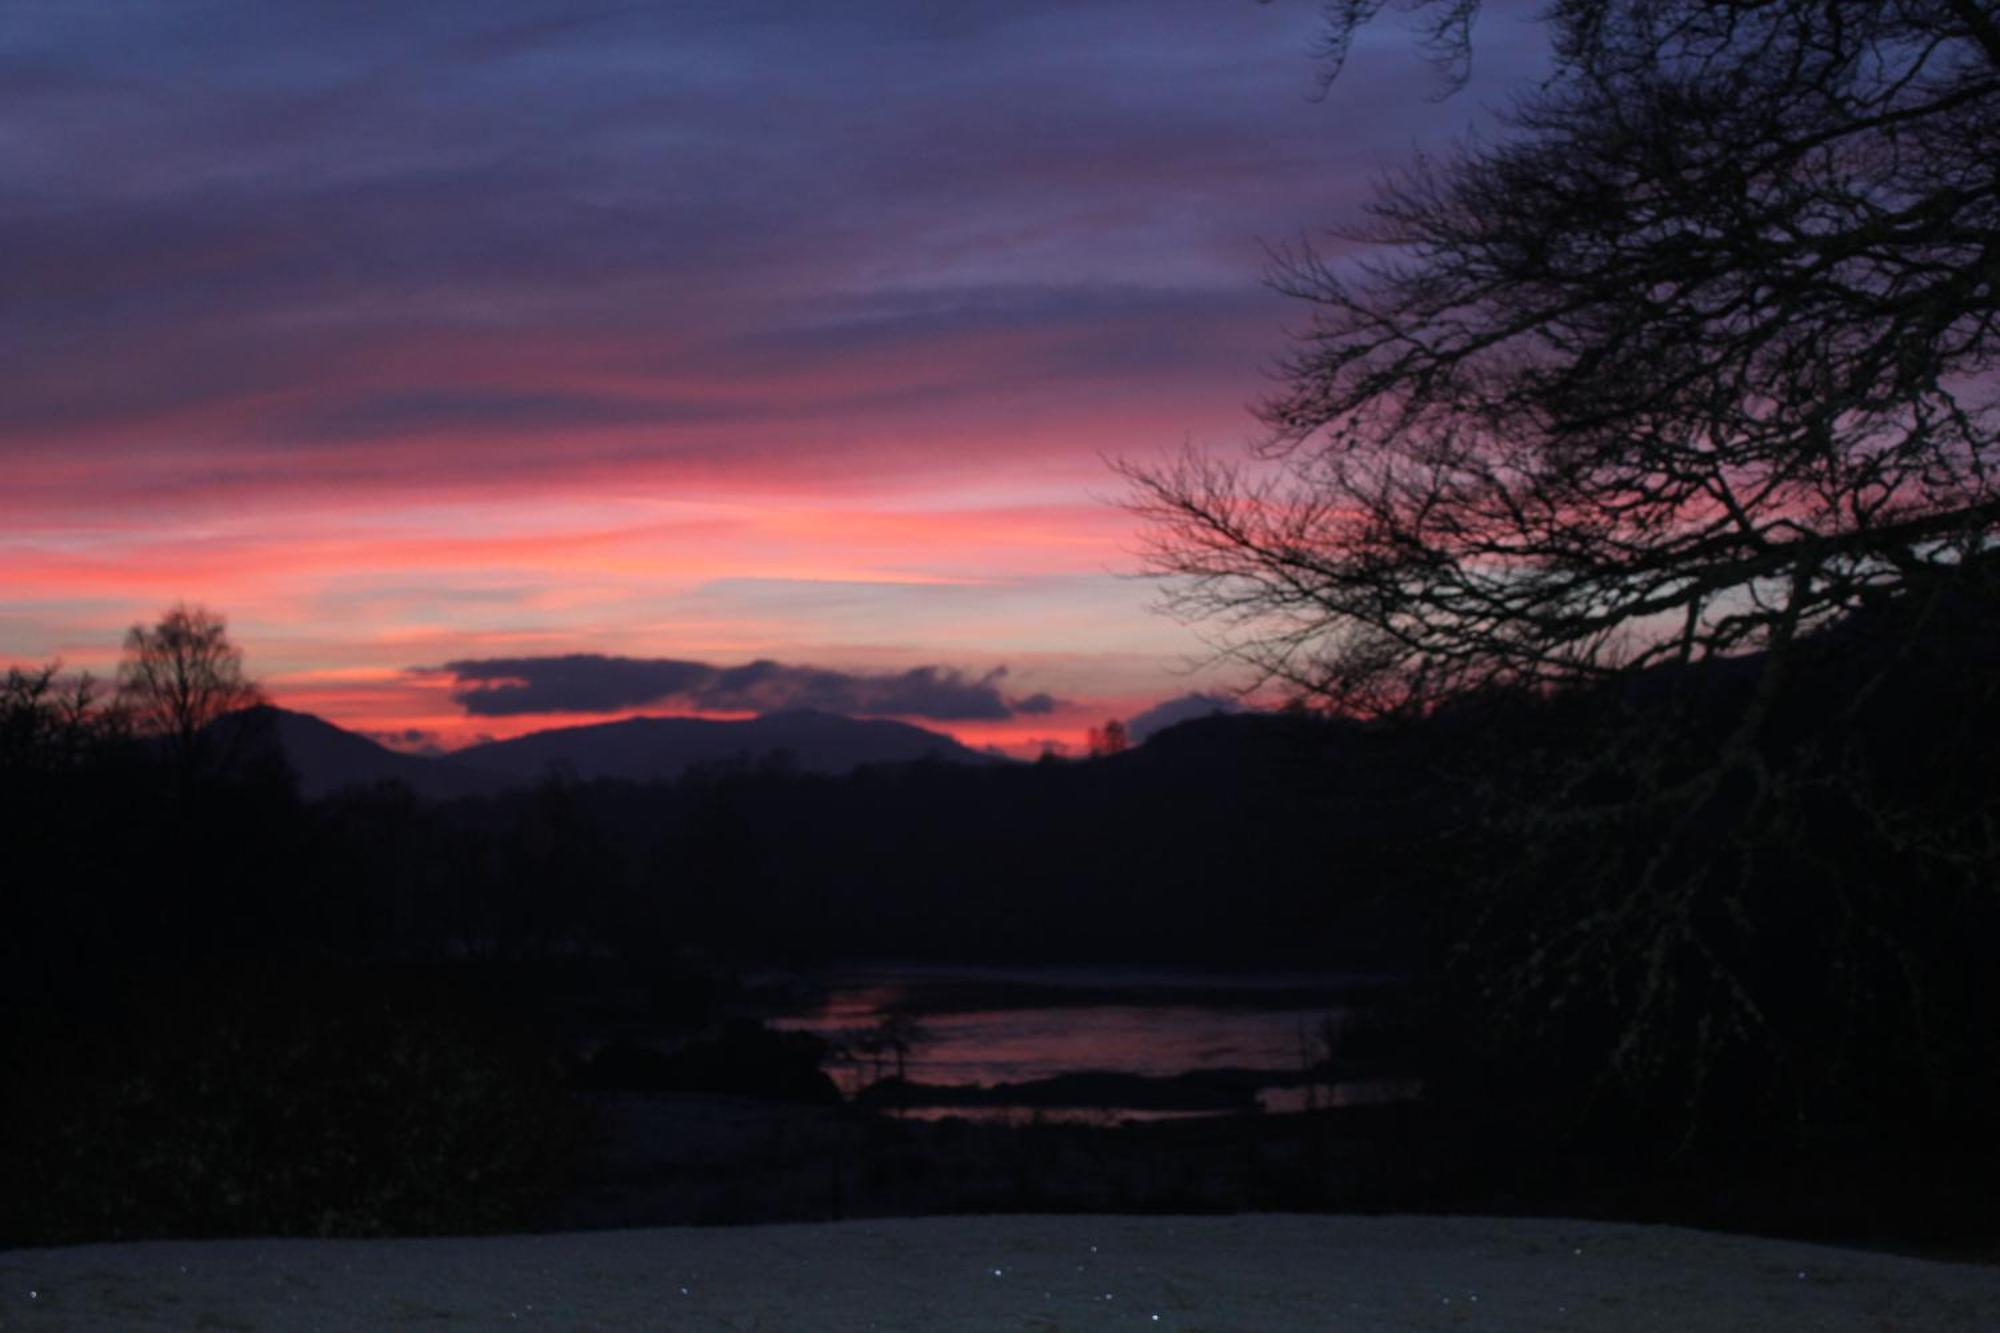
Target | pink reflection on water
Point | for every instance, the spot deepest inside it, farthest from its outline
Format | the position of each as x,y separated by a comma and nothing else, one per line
1013,1045
1018,1040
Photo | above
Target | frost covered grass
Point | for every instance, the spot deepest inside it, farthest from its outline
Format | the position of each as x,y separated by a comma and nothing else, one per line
1268,1272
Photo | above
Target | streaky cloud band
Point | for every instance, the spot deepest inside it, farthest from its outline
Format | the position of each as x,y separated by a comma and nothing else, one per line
597,683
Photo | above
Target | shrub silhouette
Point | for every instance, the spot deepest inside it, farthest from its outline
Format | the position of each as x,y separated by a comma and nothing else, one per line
324,1104
742,1057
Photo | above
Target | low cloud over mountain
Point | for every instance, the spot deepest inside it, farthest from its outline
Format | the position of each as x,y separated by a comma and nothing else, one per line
594,683
1179,709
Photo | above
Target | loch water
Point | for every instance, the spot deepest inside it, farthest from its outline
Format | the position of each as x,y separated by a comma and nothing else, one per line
992,1026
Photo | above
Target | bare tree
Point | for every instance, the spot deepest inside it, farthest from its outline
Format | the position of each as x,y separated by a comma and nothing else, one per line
50,721
182,674
1694,361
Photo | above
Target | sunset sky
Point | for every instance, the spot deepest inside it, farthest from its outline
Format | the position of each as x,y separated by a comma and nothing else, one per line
430,342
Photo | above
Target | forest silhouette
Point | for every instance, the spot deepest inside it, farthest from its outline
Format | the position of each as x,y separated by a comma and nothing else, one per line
238,1010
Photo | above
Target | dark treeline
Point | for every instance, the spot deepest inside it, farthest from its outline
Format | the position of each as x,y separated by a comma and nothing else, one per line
1225,841
201,1036
233,1010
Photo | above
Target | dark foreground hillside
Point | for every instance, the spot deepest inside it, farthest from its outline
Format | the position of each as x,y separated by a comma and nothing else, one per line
230,1009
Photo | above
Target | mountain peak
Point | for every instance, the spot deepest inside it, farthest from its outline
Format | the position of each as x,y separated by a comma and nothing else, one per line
326,758
656,748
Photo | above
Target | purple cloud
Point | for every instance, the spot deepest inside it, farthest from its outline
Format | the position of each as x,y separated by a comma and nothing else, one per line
594,683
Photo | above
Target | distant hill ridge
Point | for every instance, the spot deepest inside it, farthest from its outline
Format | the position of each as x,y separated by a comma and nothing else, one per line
327,759
648,748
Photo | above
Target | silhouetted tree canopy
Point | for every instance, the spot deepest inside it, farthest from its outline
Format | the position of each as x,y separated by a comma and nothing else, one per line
1109,739
182,674
1693,357
50,722
1669,413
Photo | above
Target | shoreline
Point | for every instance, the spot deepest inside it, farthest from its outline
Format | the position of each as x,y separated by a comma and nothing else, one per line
675,1160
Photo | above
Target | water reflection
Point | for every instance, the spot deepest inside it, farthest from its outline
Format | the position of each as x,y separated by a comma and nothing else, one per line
1273,1038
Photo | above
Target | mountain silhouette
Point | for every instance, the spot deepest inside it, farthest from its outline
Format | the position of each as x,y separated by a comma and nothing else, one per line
647,748
326,759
